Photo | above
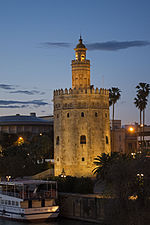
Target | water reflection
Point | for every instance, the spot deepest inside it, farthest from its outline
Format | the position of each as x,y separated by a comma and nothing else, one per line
57,222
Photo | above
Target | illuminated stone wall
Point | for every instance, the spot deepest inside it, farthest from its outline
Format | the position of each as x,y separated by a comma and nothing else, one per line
80,112
80,74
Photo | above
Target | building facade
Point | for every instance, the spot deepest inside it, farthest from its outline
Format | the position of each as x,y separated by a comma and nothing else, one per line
21,124
81,121
125,138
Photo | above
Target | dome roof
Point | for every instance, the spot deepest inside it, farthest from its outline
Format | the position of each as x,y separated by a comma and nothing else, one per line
80,45
18,119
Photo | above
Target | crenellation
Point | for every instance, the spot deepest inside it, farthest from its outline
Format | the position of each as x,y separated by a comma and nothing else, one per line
88,91
66,91
81,121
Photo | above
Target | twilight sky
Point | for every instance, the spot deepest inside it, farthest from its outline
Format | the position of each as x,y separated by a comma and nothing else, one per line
37,38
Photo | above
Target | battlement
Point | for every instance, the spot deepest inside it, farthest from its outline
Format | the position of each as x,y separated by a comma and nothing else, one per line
88,91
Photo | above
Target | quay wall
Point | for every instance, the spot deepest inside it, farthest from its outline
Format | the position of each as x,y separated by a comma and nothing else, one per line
91,208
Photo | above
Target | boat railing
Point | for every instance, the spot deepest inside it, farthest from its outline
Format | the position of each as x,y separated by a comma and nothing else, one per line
40,195
28,195
13,194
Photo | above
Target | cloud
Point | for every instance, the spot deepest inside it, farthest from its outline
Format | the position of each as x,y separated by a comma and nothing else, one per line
13,106
7,86
105,46
56,44
32,92
21,104
116,45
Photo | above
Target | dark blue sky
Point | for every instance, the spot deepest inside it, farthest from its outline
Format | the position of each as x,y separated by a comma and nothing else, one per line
116,32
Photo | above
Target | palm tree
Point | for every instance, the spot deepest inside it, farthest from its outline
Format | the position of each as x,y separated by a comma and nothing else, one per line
103,163
114,96
140,101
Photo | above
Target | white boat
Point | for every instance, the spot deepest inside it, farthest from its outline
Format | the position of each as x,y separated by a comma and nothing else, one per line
28,200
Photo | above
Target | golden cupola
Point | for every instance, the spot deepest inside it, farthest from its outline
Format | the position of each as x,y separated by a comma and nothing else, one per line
80,67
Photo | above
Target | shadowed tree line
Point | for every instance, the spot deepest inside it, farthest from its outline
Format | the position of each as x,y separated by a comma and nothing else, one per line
27,158
126,180
123,175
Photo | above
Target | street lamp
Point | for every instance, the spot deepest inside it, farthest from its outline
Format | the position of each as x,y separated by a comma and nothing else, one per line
63,174
131,129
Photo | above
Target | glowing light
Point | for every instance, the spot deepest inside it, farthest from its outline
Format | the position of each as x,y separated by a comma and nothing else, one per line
131,129
8,178
20,141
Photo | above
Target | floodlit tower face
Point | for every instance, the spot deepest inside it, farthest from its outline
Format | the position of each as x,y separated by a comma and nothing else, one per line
81,121
80,67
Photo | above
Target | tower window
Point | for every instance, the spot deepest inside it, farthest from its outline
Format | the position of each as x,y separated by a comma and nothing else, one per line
106,115
83,159
82,57
107,140
96,114
68,115
82,114
57,115
57,140
82,139
76,56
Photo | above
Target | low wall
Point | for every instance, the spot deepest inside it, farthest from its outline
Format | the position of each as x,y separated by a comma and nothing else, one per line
104,210
43,175
90,208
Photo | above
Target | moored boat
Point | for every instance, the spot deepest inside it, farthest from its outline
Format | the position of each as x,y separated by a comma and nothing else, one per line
28,200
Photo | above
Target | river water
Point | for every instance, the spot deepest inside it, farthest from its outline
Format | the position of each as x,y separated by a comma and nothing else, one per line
57,222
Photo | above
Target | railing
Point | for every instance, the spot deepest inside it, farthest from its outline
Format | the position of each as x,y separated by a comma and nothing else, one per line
31,195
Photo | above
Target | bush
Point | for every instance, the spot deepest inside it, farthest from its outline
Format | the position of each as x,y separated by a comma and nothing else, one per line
83,185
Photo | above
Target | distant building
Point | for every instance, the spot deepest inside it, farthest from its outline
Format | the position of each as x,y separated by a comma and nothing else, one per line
145,144
81,121
19,124
129,138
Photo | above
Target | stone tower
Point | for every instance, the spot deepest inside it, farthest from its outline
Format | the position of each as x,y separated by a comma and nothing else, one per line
81,121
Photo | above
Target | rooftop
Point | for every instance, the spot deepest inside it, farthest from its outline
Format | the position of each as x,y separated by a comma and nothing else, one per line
20,119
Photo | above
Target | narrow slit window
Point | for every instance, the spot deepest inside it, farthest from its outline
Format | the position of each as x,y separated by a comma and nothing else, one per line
96,114
107,140
82,114
57,140
82,139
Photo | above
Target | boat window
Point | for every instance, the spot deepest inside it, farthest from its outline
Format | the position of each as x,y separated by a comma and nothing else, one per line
5,202
9,202
13,203
17,203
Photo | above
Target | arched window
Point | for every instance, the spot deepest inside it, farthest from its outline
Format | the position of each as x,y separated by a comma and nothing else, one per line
82,114
57,140
68,115
107,140
82,139
96,114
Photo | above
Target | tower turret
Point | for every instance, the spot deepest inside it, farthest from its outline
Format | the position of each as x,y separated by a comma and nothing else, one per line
80,67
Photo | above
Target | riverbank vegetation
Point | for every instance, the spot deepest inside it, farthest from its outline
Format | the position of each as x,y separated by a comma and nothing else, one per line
25,157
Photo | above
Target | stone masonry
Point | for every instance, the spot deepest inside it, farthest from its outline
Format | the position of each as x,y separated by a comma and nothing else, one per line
81,121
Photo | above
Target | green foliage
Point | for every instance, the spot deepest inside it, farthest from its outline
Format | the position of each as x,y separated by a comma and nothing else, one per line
70,184
16,162
23,160
114,95
143,90
125,176
7,140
